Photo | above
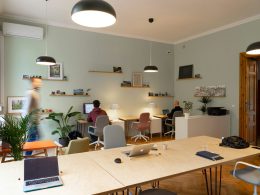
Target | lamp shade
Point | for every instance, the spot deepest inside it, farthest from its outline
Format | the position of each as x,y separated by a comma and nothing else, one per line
150,68
45,60
253,49
93,13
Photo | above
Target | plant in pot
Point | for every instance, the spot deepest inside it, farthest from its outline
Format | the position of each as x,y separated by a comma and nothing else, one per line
13,132
204,100
64,124
187,108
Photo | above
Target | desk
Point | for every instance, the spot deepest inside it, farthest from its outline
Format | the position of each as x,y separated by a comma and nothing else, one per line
82,126
127,120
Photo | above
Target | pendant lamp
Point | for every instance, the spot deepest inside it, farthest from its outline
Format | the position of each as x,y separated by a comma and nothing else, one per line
45,60
93,13
253,49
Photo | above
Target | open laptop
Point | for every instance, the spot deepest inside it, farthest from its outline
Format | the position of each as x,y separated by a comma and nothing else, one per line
40,173
139,150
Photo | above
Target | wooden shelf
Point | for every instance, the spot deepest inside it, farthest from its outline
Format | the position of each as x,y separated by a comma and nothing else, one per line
134,87
188,78
168,96
45,79
109,72
69,95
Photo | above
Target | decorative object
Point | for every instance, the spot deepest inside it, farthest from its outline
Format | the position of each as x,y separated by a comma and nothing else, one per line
137,80
186,71
15,104
187,108
150,68
197,75
204,100
87,91
93,13
65,78
26,76
78,92
210,91
55,72
64,124
253,49
126,84
13,132
46,60
117,69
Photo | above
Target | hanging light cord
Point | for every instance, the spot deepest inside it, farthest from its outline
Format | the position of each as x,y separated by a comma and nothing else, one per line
46,28
150,53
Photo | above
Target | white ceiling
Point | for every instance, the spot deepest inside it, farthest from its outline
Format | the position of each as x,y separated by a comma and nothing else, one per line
175,20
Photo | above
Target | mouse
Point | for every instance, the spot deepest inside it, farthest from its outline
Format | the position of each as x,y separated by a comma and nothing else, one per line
118,160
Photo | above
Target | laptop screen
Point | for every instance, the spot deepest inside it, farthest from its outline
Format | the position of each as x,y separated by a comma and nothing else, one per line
35,168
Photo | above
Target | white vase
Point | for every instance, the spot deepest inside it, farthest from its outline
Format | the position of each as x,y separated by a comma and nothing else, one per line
186,115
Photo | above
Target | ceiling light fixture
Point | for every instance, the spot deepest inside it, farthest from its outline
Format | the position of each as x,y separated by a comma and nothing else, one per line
45,60
93,13
253,49
150,68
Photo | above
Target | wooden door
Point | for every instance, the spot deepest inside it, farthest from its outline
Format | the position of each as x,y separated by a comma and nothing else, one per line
248,90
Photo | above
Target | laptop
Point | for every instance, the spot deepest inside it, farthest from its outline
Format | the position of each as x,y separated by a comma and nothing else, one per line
139,150
41,173
165,111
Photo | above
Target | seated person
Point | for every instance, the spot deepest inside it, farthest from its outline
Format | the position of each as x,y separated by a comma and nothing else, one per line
92,116
176,107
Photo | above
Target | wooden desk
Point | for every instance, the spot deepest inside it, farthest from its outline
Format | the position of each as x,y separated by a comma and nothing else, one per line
162,116
82,126
127,120
80,175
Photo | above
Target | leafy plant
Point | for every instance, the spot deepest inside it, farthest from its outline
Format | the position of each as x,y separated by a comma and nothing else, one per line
187,106
13,131
63,121
204,100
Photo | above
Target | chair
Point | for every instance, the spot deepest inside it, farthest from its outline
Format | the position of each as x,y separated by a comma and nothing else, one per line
114,136
97,130
143,125
249,174
156,192
78,146
171,122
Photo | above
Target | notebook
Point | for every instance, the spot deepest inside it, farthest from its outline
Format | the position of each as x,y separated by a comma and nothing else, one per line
209,155
139,150
40,173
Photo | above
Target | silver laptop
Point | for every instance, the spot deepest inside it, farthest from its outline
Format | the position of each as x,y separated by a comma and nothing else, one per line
40,173
139,150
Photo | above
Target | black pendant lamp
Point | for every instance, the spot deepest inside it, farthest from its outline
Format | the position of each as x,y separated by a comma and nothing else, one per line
150,68
253,49
45,60
93,13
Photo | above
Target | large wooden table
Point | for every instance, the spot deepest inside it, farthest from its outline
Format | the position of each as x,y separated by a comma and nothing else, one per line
96,172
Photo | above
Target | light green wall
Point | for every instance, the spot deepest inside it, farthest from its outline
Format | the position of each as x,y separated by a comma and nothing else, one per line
80,51
216,59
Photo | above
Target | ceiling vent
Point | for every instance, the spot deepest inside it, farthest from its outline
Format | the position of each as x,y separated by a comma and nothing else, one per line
19,30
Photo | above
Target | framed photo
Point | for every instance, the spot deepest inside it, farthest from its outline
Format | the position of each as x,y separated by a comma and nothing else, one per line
55,72
186,71
15,104
137,80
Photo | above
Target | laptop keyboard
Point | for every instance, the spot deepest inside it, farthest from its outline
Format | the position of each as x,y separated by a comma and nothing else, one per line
40,181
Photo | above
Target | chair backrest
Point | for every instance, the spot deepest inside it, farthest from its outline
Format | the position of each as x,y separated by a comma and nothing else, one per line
101,122
144,117
176,114
78,146
114,136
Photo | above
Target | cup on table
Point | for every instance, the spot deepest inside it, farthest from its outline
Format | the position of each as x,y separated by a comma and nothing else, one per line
164,146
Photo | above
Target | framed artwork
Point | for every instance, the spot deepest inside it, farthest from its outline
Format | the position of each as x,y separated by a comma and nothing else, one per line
186,71
15,104
137,80
211,91
55,72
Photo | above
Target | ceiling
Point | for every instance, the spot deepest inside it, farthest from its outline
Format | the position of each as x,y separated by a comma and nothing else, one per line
175,20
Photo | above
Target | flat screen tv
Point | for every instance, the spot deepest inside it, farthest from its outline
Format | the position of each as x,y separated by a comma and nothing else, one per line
87,107
186,71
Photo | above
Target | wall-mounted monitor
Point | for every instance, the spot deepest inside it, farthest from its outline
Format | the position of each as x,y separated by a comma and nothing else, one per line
87,107
186,71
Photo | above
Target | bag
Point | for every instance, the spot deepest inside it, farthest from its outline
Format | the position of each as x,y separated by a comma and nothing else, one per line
74,135
234,142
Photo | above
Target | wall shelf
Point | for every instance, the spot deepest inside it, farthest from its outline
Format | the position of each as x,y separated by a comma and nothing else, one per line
189,78
109,72
134,87
71,95
168,96
46,79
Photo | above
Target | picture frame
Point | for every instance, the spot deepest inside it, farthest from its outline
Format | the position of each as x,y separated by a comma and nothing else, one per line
186,71
15,104
55,72
210,91
137,79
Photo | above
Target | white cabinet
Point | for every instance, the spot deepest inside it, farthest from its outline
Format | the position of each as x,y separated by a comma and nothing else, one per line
156,126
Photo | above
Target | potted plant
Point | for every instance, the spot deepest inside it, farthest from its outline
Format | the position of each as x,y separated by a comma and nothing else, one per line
187,108
13,132
204,100
64,125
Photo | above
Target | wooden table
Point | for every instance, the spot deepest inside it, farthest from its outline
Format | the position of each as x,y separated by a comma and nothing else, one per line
127,120
31,146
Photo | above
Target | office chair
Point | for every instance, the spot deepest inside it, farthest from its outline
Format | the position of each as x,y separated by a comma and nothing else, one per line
78,146
171,122
143,125
249,174
97,130
114,136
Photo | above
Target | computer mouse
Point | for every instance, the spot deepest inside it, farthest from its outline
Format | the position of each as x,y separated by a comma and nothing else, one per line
118,160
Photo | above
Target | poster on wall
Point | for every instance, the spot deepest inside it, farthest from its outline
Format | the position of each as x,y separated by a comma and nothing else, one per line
211,91
137,80
55,72
15,104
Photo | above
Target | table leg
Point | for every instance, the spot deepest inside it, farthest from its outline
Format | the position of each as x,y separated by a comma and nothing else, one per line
3,157
45,152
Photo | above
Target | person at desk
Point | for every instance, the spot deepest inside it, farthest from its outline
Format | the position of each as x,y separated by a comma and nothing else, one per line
176,107
92,116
